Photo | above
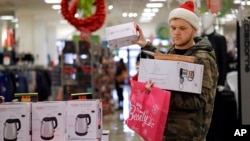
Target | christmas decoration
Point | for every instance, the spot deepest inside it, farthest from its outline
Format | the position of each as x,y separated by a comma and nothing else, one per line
88,22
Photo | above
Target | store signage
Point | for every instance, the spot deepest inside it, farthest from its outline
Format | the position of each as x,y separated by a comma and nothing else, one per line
26,97
246,46
80,96
244,71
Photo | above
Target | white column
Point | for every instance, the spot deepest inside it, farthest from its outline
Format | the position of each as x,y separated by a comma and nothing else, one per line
25,34
31,35
3,32
40,44
51,43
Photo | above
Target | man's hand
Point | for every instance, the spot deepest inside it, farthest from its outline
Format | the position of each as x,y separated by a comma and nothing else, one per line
141,41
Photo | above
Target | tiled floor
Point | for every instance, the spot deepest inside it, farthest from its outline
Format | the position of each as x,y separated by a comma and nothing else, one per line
115,122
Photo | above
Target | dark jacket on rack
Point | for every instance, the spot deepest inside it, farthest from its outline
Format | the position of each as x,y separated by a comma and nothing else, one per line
190,114
219,44
43,84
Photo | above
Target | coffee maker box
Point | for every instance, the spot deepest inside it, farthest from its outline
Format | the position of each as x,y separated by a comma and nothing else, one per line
121,35
172,75
48,121
15,121
84,119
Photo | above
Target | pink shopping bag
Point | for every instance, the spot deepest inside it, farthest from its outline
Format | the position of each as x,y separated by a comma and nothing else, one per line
148,111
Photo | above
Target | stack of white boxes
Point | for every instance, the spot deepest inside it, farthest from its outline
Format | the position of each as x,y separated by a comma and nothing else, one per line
84,120
76,120
48,121
121,35
15,122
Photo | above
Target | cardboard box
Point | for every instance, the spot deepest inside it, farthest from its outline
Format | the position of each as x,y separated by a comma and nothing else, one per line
172,75
15,121
84,119
121,35
49,121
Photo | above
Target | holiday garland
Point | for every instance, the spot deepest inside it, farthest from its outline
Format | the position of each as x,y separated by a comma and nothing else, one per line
90,23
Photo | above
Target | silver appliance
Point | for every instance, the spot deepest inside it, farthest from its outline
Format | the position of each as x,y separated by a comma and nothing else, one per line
81,124
11,128
48,126
99,118
184,73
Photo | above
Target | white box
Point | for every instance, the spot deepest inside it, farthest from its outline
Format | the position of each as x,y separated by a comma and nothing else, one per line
121,35
86,140
105,135
84,119
172,75
48,121
15,121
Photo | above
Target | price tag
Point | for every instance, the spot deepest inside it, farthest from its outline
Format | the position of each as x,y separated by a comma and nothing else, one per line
26,97
80,96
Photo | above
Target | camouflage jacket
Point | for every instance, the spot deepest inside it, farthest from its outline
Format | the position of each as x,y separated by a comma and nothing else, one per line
190,114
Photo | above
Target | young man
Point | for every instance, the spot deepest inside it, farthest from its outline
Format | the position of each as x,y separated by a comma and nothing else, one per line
190,114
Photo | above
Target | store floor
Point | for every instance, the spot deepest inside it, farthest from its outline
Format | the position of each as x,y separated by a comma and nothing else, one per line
115,122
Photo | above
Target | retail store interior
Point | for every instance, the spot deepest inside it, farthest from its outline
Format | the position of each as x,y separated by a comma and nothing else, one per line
38,35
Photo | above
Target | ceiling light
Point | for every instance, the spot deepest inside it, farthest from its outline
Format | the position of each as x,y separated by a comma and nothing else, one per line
154,5
63,22
6,17
144,21
237,1
16,25
132,15
146,18
15,20
56,7
124,14
52,1
110,7
155,10
148,14
244,3
147,10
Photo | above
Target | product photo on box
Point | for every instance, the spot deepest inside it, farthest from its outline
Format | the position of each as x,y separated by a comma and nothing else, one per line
48,121
172,75
84,119
15,121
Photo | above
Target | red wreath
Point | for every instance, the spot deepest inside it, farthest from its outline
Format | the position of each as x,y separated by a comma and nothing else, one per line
91,23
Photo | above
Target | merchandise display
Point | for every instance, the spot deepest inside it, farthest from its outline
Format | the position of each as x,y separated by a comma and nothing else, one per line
15,121
89,37
53,120
84,119
48,121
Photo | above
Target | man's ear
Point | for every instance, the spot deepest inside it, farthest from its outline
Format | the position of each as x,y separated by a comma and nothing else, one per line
194,31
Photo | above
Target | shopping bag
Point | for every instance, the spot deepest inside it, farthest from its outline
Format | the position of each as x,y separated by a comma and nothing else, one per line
148,111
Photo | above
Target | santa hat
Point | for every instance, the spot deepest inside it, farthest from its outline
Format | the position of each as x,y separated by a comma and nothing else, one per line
185,12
